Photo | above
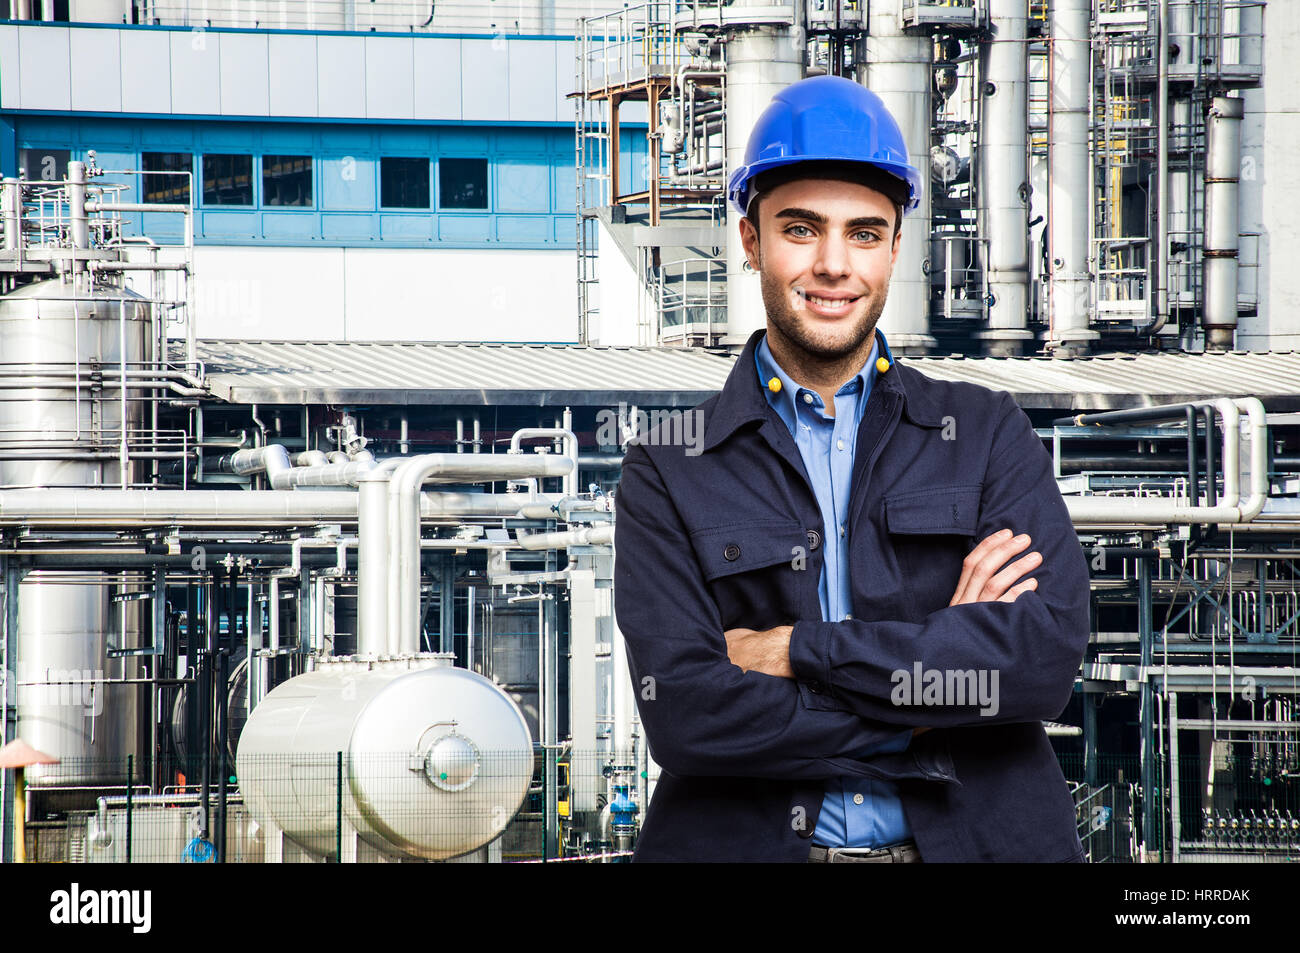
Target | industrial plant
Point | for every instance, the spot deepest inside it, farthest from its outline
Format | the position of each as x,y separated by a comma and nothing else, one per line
325,328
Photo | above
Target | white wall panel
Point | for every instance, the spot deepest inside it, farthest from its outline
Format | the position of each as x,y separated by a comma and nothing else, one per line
437,78
9,88
364,294
293,74
96,70
390,77
245,77
531,64
485,79
43,68
146,71
341,75
195,72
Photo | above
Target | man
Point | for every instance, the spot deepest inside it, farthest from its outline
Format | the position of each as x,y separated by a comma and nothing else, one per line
842,646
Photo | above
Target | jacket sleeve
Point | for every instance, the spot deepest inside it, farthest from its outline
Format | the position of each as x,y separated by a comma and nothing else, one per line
1028,652
702,714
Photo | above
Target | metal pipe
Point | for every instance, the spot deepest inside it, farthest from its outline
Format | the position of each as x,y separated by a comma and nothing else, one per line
1128,510
1162,210
404,519
293,569
570,443
586,536
161,508
372,564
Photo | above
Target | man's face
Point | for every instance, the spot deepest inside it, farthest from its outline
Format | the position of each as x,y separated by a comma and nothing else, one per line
824,258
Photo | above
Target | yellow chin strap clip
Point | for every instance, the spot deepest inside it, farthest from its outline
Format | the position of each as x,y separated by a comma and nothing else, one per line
882,364
774,385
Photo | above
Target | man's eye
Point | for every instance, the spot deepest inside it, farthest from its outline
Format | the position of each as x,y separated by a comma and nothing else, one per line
801,228
867,236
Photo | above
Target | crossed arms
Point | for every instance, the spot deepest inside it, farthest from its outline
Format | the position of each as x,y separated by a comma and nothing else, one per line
705,714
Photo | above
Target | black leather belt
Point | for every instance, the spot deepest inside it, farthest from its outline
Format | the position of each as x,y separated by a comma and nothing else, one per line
904,853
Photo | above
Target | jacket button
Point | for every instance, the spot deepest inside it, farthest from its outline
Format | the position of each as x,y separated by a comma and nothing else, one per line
731,553
814,539
815,687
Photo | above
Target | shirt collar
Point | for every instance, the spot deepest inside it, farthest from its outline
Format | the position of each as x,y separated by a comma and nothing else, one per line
741,399
784,400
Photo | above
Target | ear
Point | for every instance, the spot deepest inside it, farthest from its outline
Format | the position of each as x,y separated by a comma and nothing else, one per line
898,243
749,241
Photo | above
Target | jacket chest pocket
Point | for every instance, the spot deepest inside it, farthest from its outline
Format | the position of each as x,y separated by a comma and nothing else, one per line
932,531
755,570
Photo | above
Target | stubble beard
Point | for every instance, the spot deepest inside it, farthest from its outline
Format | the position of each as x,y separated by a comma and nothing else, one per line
779,303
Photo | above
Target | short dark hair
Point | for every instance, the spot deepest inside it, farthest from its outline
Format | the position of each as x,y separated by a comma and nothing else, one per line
890,186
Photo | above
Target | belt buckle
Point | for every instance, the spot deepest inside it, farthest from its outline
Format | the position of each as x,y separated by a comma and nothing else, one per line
852,854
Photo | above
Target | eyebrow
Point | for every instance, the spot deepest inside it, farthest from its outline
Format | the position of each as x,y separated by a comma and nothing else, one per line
820,219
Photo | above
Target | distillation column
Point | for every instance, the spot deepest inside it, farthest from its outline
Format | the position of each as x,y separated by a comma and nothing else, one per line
761,61
896,67
1004,178
1070,177
1222,164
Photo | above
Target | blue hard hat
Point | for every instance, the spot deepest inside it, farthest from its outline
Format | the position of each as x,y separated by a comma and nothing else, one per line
824,118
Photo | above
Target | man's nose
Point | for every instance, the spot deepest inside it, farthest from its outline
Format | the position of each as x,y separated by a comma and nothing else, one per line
832,257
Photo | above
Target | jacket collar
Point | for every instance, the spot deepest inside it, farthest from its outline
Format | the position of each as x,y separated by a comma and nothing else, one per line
742,400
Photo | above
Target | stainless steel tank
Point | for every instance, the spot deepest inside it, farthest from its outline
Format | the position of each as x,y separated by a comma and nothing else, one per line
71,702
435,759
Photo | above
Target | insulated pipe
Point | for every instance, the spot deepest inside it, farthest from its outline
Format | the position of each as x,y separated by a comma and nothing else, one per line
1003,184
896,66
273,459
586,536
1223,160
133,509
372,563
1069,225
570,444
1164,207
1128,510
311,458
404,519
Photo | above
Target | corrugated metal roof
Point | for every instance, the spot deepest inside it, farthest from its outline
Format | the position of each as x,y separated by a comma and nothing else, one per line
307,372
356,372
1106,382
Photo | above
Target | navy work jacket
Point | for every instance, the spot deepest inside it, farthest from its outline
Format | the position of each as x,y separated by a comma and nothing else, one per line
725,532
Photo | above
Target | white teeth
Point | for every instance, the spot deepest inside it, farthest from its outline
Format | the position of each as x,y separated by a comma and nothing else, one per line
827,302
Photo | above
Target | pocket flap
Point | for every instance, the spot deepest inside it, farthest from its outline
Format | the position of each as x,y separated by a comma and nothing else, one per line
724,550
943,509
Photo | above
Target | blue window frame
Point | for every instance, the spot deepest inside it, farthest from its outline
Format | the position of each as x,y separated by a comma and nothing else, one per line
227,179
462,183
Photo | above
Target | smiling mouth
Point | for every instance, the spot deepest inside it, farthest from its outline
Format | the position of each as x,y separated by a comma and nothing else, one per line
828,306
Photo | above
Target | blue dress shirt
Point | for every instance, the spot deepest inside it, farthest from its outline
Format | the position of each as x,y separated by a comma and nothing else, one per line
855,812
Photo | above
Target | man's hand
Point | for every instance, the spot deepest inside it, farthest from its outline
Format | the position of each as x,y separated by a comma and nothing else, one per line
767,651
981,580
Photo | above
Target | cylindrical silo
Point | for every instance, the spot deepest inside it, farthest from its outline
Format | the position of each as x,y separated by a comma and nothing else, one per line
435,760
72,699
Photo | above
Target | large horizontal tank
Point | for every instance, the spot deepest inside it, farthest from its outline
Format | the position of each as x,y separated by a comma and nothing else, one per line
435,759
